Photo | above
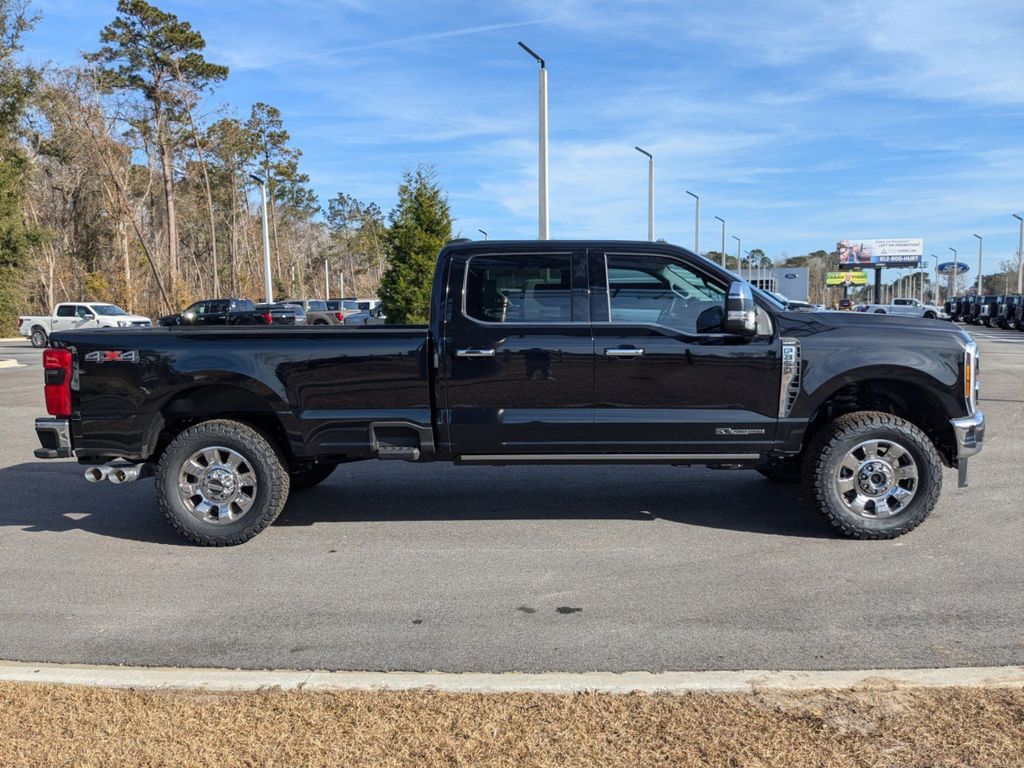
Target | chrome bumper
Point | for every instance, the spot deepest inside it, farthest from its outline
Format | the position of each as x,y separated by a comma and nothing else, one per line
970,434
54,437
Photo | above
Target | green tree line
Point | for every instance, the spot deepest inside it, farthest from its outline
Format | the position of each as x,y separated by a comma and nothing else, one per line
117,185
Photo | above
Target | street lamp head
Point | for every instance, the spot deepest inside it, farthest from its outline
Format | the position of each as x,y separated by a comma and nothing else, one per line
644,152
482,233
720,219
694,196
256,178
526,48
1018,218
953,250
978,236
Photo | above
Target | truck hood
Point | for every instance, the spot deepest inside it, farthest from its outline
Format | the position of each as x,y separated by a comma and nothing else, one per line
802,323
878,323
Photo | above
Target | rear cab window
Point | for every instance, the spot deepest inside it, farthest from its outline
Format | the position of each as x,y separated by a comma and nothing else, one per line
519,288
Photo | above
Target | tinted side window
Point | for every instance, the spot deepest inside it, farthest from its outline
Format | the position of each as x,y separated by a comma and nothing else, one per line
519,289
217,306
659,290
244,305
66,310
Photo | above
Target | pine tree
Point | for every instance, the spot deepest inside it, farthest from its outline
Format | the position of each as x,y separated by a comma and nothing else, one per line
421,224
152,53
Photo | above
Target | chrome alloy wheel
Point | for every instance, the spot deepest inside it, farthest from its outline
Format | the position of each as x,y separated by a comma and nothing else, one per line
217,485
877,478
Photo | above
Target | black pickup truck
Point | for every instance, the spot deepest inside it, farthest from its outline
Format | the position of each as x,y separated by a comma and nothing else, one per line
553,352
230,312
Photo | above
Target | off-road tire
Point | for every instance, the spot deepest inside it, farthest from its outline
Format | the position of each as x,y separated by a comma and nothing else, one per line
831,444
272,478
39,338
304,476
783,471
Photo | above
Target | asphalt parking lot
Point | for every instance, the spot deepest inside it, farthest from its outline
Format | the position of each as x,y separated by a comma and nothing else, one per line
435,567
22,353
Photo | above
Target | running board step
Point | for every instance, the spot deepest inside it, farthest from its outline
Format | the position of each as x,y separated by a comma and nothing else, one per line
398,453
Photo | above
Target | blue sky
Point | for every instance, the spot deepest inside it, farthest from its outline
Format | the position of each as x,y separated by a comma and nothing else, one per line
800,123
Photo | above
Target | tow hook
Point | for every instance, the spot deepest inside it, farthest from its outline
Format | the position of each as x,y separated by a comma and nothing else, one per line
119,473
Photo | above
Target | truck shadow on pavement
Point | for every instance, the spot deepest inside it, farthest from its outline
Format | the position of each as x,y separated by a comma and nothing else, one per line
53,497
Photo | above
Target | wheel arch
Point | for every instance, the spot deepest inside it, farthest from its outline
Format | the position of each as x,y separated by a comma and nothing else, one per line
218,400
909,399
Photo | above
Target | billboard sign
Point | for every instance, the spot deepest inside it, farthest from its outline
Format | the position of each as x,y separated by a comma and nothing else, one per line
855,277
894,252
953,268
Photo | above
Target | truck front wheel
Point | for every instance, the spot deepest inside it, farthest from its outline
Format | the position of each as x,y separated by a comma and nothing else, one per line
873,475
221,482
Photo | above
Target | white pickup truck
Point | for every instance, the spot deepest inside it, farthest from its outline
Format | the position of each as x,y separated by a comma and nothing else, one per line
906,308
78,314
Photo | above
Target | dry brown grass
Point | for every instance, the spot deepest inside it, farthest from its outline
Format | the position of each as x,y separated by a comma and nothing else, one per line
49,725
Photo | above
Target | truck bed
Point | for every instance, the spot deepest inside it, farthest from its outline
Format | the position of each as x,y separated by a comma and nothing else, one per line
325,384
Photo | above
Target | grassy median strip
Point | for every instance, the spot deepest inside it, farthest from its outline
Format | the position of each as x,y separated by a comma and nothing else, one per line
54,725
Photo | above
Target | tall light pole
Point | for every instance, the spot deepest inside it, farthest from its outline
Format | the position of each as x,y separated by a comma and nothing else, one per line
935,284
267,281
542,148
952,275
327,279
696,223
482,233
1020,255
722,253
650,192
924,271
981,244
739,264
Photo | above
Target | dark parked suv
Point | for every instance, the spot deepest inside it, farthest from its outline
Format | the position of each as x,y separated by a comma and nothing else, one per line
217,312
1006,312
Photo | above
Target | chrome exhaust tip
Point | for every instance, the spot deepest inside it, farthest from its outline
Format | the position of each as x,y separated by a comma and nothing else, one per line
97,474
129,473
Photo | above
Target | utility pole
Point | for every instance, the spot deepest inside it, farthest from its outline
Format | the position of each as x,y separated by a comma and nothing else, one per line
650,192
696,223
952,275
327,279
542,148
267,278
722,252
981,244
1020,255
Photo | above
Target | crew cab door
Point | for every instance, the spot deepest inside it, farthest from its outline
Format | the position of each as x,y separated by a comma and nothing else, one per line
667,379
64,319
517,355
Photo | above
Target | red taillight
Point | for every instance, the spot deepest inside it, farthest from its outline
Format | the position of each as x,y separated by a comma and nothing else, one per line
268,318
57,374
340,317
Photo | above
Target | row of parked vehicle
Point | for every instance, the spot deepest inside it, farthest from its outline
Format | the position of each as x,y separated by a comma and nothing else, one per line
76,315
235,311
1005,311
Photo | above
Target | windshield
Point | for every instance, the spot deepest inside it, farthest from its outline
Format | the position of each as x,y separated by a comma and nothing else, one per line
108,309
316,306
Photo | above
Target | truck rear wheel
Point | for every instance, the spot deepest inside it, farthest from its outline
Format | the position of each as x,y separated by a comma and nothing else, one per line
873,475
221,482
39,338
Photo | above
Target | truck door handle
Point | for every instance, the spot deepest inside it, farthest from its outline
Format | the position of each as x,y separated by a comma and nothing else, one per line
620,352
475,353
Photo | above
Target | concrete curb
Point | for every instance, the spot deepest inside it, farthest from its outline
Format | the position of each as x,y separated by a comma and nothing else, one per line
749,681
10,364
16,338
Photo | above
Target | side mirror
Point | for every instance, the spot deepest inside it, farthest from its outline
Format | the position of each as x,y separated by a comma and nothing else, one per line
740,311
